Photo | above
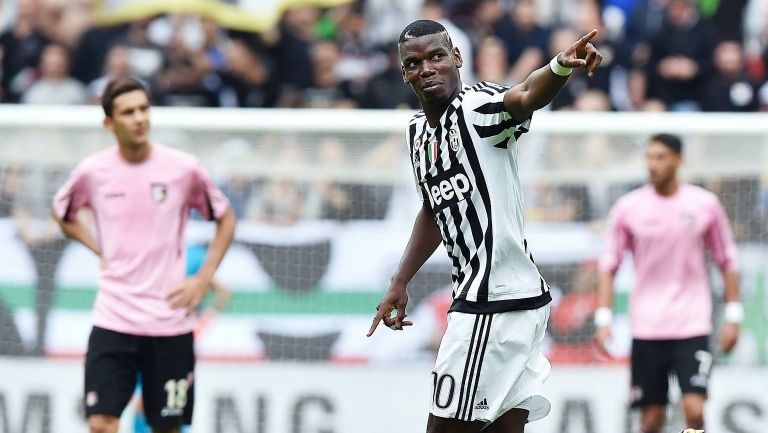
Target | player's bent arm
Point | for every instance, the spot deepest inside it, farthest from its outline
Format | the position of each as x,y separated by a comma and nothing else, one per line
538,90
225,230
543,84
77,231
425,237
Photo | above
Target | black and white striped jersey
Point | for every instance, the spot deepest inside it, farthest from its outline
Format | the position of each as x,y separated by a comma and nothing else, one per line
466,167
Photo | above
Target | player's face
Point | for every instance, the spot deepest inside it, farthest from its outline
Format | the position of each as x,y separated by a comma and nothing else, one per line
130,118
431,68
662,163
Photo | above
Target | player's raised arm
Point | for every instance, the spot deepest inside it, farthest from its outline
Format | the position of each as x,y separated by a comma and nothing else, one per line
424,239
541,87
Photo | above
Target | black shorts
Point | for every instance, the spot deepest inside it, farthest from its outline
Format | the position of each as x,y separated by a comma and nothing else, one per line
654,361
166,365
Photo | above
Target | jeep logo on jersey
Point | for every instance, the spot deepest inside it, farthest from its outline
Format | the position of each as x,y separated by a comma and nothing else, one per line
159,192
448,188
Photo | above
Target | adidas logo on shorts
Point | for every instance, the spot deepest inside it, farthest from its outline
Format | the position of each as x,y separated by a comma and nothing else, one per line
482,405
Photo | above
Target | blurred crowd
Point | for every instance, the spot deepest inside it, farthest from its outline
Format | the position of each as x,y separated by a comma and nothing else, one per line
681,55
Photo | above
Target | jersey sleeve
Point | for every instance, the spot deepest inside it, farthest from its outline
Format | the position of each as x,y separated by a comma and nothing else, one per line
205,196
490,119
72,195
617,241
719,239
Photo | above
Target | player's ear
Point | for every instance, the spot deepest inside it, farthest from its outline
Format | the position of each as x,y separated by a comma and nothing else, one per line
108,123
457,57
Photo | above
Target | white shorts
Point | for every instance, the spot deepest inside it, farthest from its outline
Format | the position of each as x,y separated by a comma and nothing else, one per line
488,364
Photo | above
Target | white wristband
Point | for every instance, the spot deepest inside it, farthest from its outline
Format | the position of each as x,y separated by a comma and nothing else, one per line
559,69
733,312
603,317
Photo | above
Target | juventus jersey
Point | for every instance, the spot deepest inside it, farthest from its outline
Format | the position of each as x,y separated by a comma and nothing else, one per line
466,168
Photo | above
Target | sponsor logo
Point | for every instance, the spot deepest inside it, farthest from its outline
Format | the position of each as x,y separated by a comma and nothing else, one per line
112,195
159,192
482,404
448,188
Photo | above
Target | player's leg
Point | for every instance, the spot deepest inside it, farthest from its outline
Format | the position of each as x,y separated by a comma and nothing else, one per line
167,371
110,377
513,421
693,365
651,364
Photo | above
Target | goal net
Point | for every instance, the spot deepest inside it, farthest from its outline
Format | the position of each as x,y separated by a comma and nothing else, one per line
326,200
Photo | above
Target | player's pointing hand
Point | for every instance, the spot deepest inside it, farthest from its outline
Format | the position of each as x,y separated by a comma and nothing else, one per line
396,298
582,54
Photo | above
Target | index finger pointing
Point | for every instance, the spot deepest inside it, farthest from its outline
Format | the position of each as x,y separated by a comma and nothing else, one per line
586,38
376,320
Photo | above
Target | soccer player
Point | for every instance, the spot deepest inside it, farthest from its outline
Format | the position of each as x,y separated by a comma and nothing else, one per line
463,147
140,194
668,225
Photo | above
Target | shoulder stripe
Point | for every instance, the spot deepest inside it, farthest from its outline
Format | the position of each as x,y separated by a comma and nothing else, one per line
491,108
492,130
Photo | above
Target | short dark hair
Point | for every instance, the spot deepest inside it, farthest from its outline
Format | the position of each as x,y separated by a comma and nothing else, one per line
420,28
117,87
672,141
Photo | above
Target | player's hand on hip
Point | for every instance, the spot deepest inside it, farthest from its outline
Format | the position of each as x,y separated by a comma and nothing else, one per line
395,299
729,336
603,335
582,54
188,294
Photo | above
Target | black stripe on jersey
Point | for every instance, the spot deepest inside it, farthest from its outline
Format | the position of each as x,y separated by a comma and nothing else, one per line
497,87
480,88
493,130
456,273
482,188
466,368
491,108
473,378
503,144
480,365
465,306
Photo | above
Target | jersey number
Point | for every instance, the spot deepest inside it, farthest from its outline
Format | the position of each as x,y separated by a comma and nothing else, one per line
176,391
438,384
705,362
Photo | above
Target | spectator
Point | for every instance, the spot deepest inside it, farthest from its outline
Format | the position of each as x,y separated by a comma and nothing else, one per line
433,10
292,53
20,50
680,58
491,63
729,89
525,39
55,86
326,90
386,89
245,74
118,65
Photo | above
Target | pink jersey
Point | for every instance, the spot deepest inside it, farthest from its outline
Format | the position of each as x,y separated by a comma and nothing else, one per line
668,237
140,212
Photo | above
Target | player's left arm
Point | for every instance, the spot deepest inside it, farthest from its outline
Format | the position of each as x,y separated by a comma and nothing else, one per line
189,294
543,84
720,242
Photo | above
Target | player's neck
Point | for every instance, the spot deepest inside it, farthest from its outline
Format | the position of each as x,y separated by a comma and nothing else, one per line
435,111
667,189
134,153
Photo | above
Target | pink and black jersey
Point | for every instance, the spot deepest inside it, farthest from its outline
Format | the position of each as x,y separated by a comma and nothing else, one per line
668,238
140,211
